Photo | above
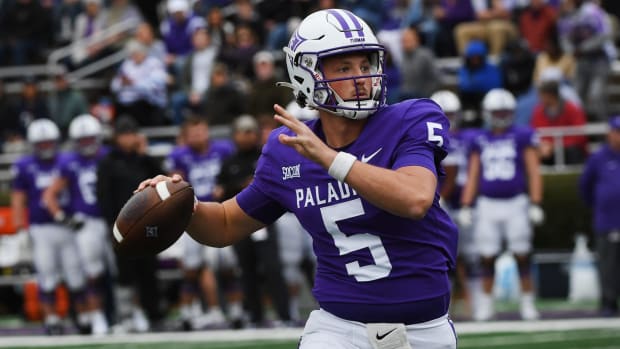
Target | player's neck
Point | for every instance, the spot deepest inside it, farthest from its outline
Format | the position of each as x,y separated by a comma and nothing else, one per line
339,131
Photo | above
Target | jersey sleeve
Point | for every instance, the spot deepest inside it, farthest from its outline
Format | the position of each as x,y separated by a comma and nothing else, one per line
426,141
64,169
172,164
19,181
258,200
528,137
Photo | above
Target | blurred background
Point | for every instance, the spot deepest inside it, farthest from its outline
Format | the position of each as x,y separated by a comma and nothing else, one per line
167,64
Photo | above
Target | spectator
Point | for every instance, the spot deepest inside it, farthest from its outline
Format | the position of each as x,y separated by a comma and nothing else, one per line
221,31
420,13
140,86
600,189
243,13
12,130
260,250
146,36
553,110
238,57
449,14
118,173
88,26
420,75
65,102
224,100
537,24
195,76
263,92
477,76
517,65
65,20
554,56
121,11
493,24
25,30
392,71
587,35
31,104
275,14
176,30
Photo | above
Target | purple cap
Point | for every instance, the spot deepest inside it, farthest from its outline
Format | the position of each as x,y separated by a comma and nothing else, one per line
614,122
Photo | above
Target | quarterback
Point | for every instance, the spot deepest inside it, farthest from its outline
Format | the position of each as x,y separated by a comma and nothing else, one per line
362,180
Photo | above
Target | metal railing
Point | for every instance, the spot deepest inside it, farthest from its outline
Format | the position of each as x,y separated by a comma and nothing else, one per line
558,134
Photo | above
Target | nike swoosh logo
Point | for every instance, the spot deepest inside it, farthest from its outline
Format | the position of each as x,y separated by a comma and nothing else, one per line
369,157
380,337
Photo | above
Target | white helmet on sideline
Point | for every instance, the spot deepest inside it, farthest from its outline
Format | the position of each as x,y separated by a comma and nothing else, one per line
85,131
43,135
498,107
450,104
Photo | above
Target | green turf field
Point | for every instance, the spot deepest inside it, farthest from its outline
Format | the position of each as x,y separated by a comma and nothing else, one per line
575,339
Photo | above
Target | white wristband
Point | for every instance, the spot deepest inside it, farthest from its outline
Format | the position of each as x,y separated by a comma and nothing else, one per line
341,165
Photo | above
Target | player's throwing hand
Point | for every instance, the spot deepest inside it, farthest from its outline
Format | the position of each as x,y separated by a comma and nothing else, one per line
306,142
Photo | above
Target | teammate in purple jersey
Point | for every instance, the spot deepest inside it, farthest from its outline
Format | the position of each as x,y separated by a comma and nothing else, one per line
54,247
199,160
362,180
467,285
78,175
504,173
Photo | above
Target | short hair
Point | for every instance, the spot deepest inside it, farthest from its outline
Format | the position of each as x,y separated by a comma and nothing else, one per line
550,87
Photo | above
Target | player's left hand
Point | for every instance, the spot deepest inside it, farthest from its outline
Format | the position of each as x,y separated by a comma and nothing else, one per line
536,214
305,142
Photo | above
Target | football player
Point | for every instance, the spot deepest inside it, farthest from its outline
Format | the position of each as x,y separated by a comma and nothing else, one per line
504,175
78,175
362,180
55,252
451,188
199,160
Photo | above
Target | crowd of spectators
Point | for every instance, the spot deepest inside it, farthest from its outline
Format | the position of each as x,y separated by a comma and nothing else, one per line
220,59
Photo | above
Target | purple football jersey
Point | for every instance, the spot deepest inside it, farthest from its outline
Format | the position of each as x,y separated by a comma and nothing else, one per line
32,176
200,170
502,173
457,156
80,172
365,255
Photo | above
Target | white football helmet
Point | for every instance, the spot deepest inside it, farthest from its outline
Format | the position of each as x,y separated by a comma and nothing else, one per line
43,135
498,107
85,131
450,104
331,32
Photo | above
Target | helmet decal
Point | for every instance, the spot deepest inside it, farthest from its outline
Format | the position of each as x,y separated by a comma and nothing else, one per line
344,25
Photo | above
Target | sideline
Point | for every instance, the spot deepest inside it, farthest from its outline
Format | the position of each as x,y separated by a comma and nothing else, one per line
210,336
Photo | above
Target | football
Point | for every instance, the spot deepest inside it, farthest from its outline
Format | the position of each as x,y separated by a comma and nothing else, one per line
153,219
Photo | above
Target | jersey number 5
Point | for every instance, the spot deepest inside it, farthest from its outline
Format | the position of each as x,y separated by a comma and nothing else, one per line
432,137
347,244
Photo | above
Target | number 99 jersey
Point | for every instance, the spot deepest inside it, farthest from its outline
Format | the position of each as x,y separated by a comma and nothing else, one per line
365,255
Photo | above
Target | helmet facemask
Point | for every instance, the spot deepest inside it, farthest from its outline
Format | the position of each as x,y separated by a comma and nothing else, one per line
87,146
364,103
45,150
499,119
